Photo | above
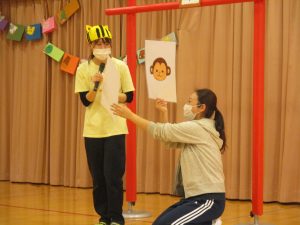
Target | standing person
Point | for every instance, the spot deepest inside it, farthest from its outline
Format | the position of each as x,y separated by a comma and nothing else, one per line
104,136
202,139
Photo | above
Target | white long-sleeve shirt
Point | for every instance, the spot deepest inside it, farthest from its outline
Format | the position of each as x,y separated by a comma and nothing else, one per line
201,162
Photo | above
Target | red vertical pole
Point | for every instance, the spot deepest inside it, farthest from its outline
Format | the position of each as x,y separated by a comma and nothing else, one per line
131,137
258,107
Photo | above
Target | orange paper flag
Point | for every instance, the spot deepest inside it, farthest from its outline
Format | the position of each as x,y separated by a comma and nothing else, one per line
69,63
68,11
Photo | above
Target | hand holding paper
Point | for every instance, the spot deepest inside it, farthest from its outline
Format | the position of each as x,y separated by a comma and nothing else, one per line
161,105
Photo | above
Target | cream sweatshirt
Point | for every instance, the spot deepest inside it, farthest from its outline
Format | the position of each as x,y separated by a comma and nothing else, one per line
201,162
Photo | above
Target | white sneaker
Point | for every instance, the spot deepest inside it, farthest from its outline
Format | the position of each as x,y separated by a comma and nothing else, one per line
217,222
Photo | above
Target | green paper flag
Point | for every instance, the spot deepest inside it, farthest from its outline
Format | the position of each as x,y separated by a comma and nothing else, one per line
15,32
54,52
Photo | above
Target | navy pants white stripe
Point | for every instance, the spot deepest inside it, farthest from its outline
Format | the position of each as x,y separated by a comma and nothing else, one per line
197,210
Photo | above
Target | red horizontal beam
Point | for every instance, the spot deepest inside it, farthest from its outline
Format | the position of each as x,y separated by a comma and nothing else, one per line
165,6
142,8
222,2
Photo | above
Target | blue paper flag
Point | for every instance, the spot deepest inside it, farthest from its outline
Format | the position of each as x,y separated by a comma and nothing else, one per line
34,32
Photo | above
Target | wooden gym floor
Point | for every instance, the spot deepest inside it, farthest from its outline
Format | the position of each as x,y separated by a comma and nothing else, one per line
30,204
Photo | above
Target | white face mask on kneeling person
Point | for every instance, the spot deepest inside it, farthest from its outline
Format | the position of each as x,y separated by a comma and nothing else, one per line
188,113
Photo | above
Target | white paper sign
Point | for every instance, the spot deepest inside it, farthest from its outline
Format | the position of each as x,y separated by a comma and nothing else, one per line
160,70
110,86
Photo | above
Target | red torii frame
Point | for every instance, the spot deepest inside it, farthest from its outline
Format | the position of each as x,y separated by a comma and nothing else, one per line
258,91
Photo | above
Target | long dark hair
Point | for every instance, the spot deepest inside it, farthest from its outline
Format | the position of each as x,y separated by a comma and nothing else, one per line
209,98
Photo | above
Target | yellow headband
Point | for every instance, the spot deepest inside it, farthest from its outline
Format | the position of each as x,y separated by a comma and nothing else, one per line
94,33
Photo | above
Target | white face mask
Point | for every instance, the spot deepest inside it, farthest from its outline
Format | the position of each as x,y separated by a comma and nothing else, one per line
102,53
187,112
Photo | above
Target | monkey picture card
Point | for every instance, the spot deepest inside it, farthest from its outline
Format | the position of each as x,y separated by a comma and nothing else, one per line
160,67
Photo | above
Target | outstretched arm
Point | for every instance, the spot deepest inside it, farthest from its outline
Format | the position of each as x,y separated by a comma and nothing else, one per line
125,112
186,132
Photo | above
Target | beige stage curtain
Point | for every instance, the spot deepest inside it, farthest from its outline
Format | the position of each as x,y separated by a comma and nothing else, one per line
41,118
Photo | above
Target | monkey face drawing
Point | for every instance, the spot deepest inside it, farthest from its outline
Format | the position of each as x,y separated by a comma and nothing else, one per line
159,69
